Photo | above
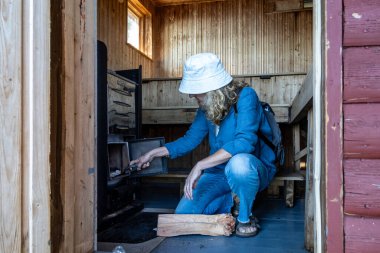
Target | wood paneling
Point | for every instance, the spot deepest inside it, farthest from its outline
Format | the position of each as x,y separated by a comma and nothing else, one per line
279,91
112,30
361,23
272,6
178,2
11,126
362,130
362,187
361,234
170,115
247,40
36,127
361,74
77,114
275,90
25,126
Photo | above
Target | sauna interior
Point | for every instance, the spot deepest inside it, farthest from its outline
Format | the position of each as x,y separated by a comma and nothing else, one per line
142,46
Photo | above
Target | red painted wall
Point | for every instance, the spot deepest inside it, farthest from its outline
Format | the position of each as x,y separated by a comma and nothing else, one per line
333,127
361,125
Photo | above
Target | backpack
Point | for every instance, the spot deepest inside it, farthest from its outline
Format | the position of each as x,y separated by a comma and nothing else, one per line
276,143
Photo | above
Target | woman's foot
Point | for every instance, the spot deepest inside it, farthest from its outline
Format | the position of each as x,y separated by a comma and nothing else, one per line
248,229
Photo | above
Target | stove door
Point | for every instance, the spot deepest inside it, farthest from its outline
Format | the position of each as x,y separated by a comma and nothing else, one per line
120,154
139,147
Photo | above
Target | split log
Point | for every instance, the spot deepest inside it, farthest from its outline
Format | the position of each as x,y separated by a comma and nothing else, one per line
186,224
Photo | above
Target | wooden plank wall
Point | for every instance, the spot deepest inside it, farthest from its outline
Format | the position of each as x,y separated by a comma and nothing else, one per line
73,127
247,40
279,91
361,106
249,43
112,30
11,126
25,126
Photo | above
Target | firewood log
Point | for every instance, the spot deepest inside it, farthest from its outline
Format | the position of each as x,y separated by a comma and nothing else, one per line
186,224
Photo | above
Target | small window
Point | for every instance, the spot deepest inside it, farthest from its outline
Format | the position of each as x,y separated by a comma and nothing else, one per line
139,32
133,29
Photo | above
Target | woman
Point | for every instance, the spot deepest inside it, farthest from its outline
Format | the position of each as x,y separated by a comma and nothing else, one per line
238,162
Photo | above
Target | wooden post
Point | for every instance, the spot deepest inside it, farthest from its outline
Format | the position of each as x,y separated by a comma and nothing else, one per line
296,145
289,185
11,125
309,191
331,153
25,126
77,144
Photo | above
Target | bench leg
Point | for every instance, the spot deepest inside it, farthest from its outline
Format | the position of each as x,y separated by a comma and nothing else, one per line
289,193
181,186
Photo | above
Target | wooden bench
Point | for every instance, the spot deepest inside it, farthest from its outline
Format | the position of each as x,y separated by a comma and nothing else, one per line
289,178
180,178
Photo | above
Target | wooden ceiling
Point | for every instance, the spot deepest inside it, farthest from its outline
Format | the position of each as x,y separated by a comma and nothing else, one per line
177,2
304,3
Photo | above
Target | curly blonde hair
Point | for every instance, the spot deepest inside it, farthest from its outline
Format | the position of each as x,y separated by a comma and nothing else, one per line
217,103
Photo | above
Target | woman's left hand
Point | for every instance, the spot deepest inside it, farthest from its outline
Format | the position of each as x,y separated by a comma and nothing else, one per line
191,181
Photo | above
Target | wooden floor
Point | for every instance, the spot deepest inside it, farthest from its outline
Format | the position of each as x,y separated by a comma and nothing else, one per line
282,230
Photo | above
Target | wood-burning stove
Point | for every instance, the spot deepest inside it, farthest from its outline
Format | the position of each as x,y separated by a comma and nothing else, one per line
119,141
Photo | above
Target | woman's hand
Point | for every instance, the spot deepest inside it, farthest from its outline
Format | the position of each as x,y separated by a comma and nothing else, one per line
191,181
142,162
219,157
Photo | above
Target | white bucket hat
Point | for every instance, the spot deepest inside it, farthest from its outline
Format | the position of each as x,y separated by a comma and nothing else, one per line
203,73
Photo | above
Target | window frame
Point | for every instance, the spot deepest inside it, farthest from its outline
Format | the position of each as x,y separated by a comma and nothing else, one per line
145,22
139,17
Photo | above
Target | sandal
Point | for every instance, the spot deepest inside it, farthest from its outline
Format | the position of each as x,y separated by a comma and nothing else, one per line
248,229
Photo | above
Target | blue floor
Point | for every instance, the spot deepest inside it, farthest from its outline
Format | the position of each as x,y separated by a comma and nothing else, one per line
282,230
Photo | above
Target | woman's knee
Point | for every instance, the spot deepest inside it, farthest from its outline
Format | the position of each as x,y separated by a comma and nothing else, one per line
241,166
186,206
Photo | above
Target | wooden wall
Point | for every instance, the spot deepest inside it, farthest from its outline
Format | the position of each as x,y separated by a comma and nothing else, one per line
279,91
246,39
112,30
25,126
361,106
11,130
72,132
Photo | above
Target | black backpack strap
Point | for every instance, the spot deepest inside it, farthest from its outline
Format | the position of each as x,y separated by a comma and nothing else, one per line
266,141
260,134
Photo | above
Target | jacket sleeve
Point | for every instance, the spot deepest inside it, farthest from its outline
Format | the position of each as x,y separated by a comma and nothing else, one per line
192,138
248,118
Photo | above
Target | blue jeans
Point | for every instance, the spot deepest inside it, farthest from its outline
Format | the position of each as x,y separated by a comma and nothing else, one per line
244,174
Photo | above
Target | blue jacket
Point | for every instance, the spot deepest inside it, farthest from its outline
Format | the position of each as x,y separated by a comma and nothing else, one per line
237,133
